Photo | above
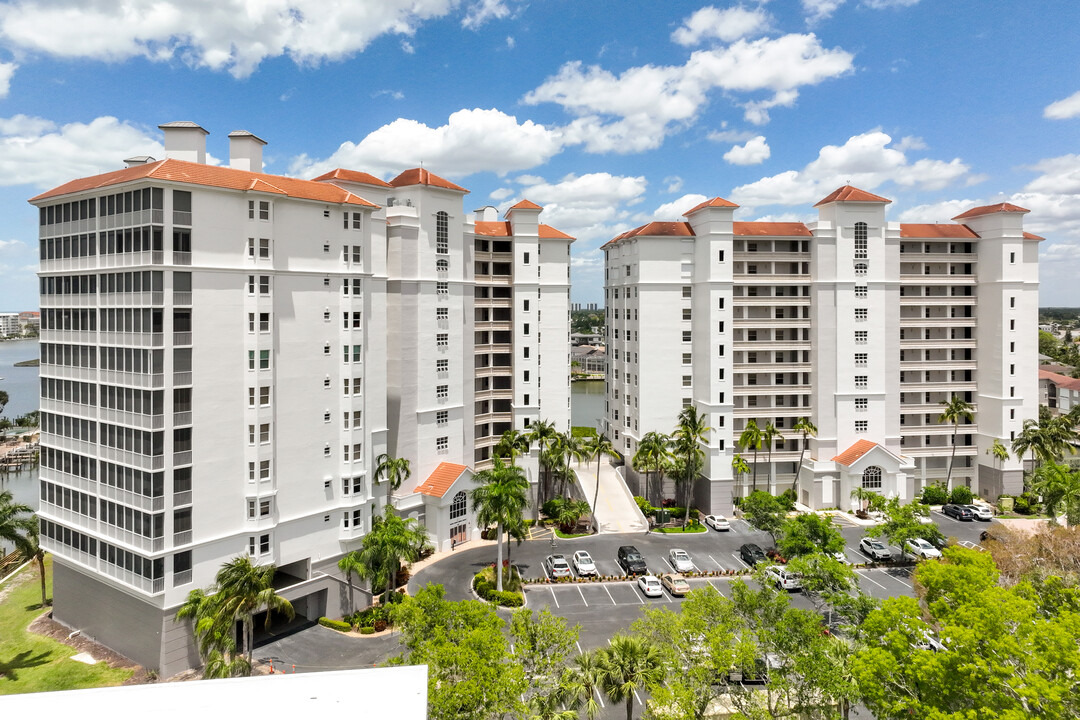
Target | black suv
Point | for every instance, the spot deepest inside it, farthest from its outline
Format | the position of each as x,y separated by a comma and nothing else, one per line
631,561
958,511
751,554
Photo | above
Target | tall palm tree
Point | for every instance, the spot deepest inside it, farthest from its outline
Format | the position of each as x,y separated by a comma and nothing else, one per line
597,447
215,633
768,439
500,499
954,411
999,451
543,433
864,496
19,526
1059,487
244,589
583,682
350,563
393,470
391,541
651,454
511,444
572,448
1028,440
629,664
751,437
739,466
807,429
689,435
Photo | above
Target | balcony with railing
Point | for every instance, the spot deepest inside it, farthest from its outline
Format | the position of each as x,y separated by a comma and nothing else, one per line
130,379
152,586
142,502
131,539
132,339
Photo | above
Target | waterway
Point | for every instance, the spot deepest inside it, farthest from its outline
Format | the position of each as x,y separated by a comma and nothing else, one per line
21,385
586,403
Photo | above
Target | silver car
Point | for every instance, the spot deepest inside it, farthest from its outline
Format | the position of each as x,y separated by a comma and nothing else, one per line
875,549
919,549
557,567
680,560
981,513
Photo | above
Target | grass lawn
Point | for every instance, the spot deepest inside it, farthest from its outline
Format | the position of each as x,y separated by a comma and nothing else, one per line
571,536
31,663
698,528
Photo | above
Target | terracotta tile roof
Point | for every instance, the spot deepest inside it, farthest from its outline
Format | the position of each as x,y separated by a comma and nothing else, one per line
855,452
526,205
1063,381
352,176
989,209
935,230
181,171
440,480
501,228
420,176
715,202
848,193
774,229
1032,236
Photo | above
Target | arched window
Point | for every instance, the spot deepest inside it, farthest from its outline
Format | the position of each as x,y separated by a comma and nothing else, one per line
861,268
442,265
458,508
860,241
442,234
871,478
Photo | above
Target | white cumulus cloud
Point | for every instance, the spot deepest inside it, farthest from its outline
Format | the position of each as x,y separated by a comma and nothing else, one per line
7,71
233,35
674,210
35,151
471,141
482,11
1063,109
754,152
710,23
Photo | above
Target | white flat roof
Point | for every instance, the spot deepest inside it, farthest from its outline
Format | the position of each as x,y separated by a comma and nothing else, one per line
394,692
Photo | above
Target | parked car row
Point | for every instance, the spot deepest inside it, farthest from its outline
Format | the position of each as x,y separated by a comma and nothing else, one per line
968,512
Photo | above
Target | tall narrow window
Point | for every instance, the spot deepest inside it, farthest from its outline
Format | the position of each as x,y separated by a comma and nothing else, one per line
442,233
860,241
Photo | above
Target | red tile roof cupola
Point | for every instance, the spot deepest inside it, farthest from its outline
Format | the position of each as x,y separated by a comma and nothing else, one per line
848,193
355,176
420,176
525,204
716,202
990,210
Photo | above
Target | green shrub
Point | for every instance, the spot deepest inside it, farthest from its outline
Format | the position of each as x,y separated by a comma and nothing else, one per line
961,495
1021,506
508,599
787,499
550,508
934,495
484,584
583,432
367,630
335,624
643,505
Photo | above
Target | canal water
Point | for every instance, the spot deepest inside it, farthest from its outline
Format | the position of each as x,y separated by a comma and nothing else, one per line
21,385
586,403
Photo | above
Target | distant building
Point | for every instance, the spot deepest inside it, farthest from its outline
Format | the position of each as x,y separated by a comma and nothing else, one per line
9,325
1060,393
593,338
589,359
592,306
29,321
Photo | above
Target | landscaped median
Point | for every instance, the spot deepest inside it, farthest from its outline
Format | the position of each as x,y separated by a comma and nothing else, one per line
511,596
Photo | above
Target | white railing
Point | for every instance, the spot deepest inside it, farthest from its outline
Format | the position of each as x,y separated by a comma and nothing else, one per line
181,378
130,379
147,585
181,578
132,539
126,457
181,298
112,260
131,339
68,373
142,502
143,422
182,458
181,498
181,538
70,444
181,418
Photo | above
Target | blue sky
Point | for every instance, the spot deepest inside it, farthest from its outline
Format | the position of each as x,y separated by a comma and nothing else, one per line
610,114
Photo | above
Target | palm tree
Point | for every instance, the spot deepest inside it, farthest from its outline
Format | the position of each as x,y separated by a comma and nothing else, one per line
511,444
543,433
597,447
1059,487
583,683
19,526
629,664
569,512
999,451
215,633
32,548
768,439
244,589
864,496
954,411
394,470
500,499
1028,440
739,466
651,453
572,448
751,437
392,540
349,564
689,436
808,429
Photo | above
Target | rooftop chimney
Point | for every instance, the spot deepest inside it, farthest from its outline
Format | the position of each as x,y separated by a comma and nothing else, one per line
138,160
245,151
185,140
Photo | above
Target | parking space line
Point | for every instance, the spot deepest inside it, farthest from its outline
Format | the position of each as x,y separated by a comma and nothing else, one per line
740,561
609,595
710,582
582,596
716,563
863,574
553,597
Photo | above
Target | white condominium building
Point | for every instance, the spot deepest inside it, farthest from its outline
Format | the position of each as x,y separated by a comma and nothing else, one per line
225,353
862,326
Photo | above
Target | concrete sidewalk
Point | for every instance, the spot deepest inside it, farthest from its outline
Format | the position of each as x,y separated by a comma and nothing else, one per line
616,511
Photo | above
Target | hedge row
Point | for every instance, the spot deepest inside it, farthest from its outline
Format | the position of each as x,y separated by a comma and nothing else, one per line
486,590
335,624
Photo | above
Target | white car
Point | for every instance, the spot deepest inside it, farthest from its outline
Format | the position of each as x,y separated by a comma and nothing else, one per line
583,563
981,512
717,522
919,549
784,579
924,519
681,561
650,585
841,558
875,549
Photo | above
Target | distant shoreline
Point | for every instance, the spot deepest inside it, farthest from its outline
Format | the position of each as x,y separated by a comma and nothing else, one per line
36,362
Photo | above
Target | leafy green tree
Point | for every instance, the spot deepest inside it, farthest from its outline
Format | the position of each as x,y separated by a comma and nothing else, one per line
582,683
688,437
751,438
804,427
215,635
864,496
764,512
4,398
824,579
392,540
1048,344
567,513
629,664
244,589
807,534
500,500
393,470
998,655
471,671
902,524
596,448
542,645
954,411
